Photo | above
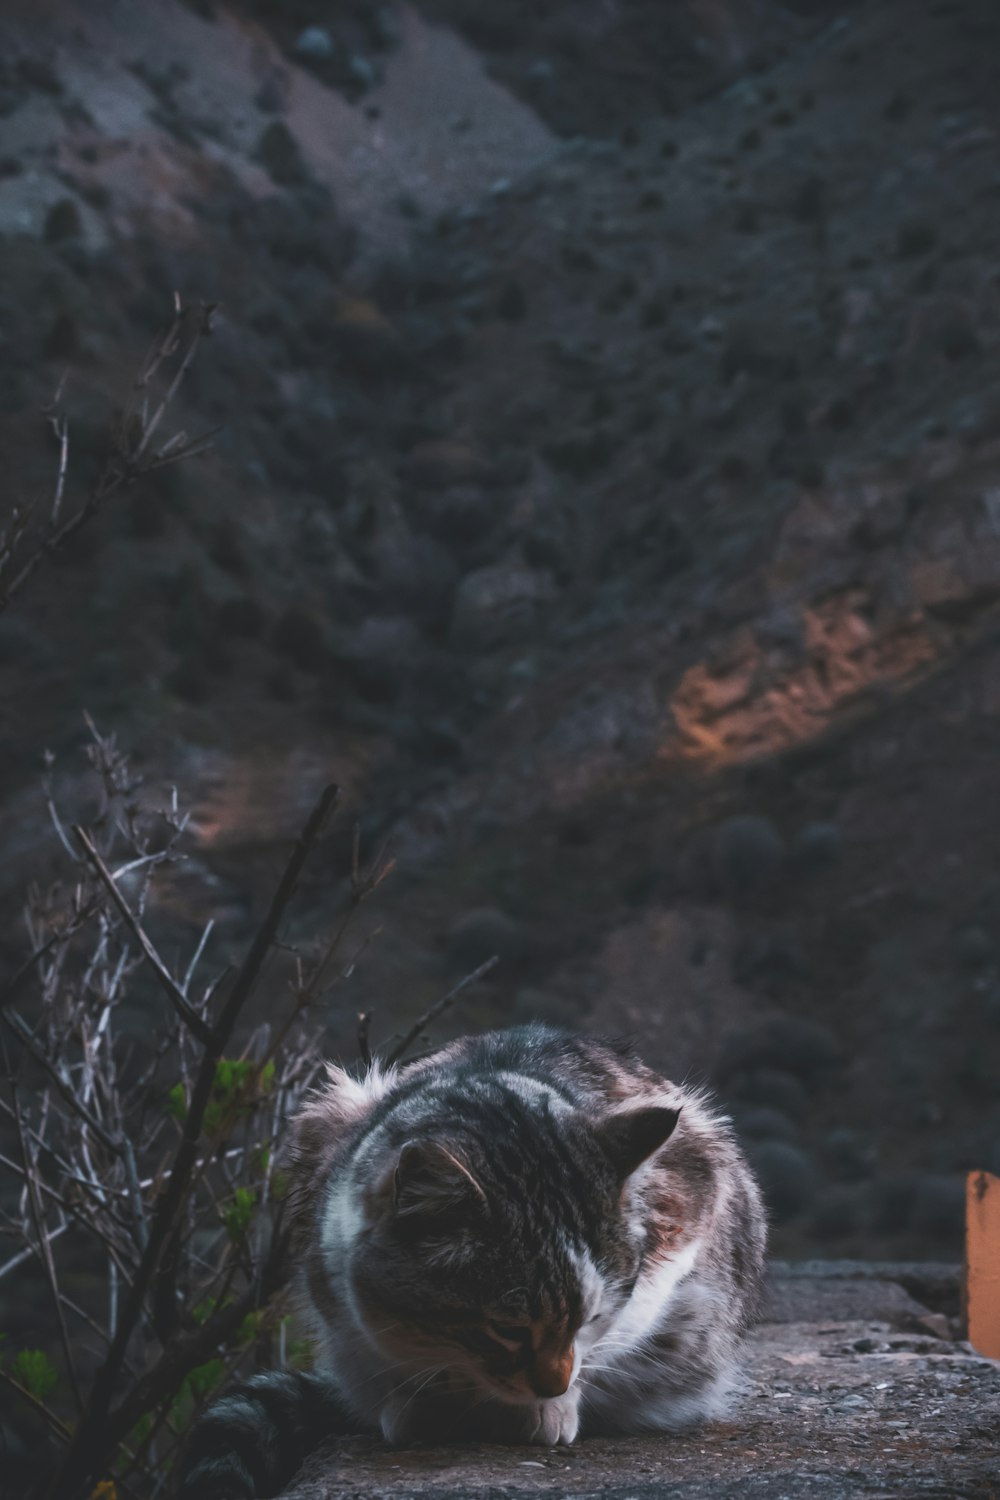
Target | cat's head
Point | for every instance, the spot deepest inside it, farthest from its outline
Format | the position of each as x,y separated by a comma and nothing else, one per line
499,1242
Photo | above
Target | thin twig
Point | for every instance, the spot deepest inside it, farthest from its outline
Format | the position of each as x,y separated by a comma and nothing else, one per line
438,1009
61,935
174,992
31,1253
61,428
43,1411
191,1349
20,1030
126,462
196,956
45,1249
204,327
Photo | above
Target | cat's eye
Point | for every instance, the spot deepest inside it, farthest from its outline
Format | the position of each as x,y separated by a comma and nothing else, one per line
514,1335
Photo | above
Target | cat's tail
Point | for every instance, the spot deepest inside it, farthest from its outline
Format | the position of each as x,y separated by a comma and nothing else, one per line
251,1442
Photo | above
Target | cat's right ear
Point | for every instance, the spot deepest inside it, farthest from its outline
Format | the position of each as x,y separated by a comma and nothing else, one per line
431,1180
631,1137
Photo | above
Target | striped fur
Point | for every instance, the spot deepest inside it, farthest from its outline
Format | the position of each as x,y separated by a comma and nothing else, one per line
253,1440
525,1235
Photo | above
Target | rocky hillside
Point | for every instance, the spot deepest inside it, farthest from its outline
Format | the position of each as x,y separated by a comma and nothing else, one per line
608,496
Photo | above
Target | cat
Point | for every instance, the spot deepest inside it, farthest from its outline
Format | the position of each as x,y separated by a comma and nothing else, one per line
524,1236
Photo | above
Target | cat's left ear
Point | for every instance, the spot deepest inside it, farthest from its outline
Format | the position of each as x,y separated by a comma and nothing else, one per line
430,1179
630,1138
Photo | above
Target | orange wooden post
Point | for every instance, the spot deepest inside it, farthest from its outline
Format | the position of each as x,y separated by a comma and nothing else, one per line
982,1262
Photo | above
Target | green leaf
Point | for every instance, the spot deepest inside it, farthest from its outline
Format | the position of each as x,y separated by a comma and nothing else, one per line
227,1102
177,1104
197,1384
204,1310
140,1432
239,1215
203,1380
251,1326
32,1369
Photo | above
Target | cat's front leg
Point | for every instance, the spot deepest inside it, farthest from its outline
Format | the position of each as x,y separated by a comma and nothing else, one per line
558,1420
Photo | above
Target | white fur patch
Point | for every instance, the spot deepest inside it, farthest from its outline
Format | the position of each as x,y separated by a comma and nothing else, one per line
589,1280
345,1099
534,1091
350,1097
643,1312
342,1223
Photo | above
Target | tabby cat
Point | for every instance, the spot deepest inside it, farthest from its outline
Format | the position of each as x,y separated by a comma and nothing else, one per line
525,1236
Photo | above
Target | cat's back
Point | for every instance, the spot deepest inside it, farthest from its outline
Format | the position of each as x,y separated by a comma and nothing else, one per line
500,1082
545,1066
582,1069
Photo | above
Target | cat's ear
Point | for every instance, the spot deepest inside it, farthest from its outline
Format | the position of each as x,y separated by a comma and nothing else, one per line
630,1138
431,1179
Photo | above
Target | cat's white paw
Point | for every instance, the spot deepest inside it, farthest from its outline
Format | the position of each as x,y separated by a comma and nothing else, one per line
558,1420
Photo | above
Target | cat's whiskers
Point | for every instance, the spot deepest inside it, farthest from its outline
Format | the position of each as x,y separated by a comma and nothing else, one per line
386,1370
431,1374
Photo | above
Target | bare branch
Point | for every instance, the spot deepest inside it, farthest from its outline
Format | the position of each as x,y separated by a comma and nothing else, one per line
417,1030
55,939
130,456
47,1416
44,1245
247,977
100,1147
69,1094
173,991
30,1253
96,1435
203,327
196,956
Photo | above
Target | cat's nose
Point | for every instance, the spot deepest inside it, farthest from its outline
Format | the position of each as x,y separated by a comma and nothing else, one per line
551,1374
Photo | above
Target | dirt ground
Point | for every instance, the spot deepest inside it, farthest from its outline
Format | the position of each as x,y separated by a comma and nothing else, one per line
850,1393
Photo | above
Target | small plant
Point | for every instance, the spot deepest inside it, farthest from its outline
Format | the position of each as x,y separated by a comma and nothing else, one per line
162,1157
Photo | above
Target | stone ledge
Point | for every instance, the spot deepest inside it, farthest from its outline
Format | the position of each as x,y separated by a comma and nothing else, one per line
908,1295
837,1405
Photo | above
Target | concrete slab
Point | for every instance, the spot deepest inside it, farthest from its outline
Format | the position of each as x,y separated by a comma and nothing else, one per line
836,1405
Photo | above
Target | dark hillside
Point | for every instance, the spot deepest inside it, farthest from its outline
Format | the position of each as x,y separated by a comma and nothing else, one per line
608,496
